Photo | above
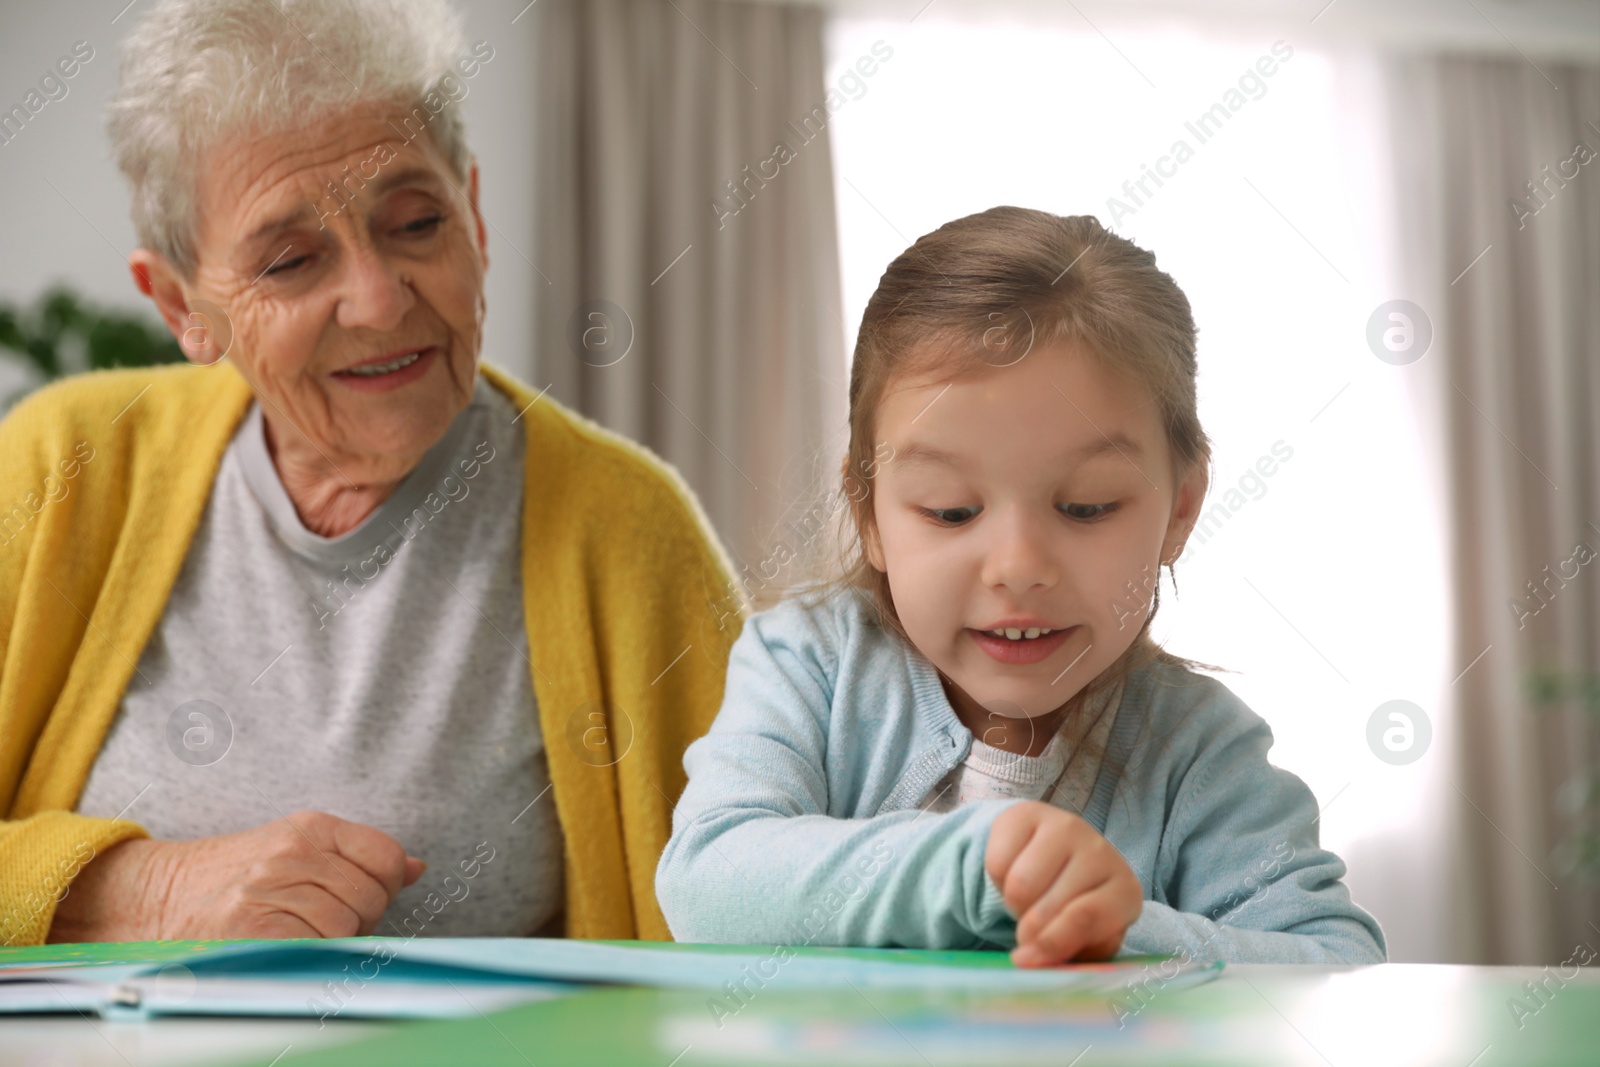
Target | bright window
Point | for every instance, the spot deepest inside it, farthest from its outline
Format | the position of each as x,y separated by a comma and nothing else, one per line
1325,588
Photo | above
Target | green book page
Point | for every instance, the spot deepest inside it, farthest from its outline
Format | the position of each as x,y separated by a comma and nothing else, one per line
159,952
110,953
996,958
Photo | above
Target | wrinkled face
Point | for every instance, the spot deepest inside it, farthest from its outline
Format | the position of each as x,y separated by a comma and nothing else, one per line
1022,522
355,307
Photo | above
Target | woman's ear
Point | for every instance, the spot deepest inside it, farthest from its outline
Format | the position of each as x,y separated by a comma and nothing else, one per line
1185,512
477,215
202,329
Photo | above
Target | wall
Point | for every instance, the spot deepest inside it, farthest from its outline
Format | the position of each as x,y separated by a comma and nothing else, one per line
66,206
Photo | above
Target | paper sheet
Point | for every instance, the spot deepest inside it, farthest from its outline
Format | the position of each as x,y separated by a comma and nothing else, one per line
398,978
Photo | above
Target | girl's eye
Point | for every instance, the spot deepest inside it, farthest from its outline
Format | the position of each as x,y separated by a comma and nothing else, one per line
423,226
951,516
1087,512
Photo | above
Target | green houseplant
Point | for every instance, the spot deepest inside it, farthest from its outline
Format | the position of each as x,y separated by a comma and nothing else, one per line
63,334
1578,798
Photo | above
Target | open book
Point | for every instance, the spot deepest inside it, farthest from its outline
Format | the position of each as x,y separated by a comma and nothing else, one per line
374,977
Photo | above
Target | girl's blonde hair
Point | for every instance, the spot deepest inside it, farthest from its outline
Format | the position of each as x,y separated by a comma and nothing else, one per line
984,291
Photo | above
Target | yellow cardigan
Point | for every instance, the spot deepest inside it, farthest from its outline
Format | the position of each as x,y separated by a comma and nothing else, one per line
628,600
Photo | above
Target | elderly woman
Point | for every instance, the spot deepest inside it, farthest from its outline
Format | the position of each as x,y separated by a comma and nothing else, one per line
336,631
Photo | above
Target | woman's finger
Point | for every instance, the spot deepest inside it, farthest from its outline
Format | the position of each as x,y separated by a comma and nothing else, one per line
273,924
369,848
375,852
322,911
350,884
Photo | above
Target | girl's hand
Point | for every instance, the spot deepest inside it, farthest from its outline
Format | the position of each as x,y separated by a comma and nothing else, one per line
1073,893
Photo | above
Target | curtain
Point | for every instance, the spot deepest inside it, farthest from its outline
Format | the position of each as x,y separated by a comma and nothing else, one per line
688,293
1498,176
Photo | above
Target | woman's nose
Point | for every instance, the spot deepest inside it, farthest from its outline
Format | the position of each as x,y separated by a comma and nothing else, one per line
376,295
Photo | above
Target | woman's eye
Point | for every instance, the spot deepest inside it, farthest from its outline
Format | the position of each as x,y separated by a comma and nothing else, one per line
951,516
423,225
286,265
1086,512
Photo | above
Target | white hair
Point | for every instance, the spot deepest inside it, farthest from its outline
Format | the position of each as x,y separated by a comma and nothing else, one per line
195,72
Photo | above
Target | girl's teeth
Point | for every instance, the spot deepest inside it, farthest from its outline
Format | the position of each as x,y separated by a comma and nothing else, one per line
1011,633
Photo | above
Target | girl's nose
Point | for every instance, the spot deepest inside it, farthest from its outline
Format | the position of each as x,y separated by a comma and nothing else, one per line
1017,556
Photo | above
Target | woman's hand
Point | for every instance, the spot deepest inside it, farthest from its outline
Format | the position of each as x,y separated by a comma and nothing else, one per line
1073,893
308,875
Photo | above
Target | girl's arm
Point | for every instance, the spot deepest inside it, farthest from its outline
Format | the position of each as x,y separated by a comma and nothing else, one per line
755,858
1242,871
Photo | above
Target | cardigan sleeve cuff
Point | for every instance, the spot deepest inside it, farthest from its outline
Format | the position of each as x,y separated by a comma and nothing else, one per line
39,858
996,925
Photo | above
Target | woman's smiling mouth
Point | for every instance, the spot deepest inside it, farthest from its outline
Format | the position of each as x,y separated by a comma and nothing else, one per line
388,372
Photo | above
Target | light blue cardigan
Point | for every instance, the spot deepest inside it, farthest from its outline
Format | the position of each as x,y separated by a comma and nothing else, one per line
800,822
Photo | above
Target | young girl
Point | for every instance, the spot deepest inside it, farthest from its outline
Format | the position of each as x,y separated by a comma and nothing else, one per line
972,740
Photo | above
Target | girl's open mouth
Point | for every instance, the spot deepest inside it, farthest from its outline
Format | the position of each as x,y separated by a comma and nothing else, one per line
1021,649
